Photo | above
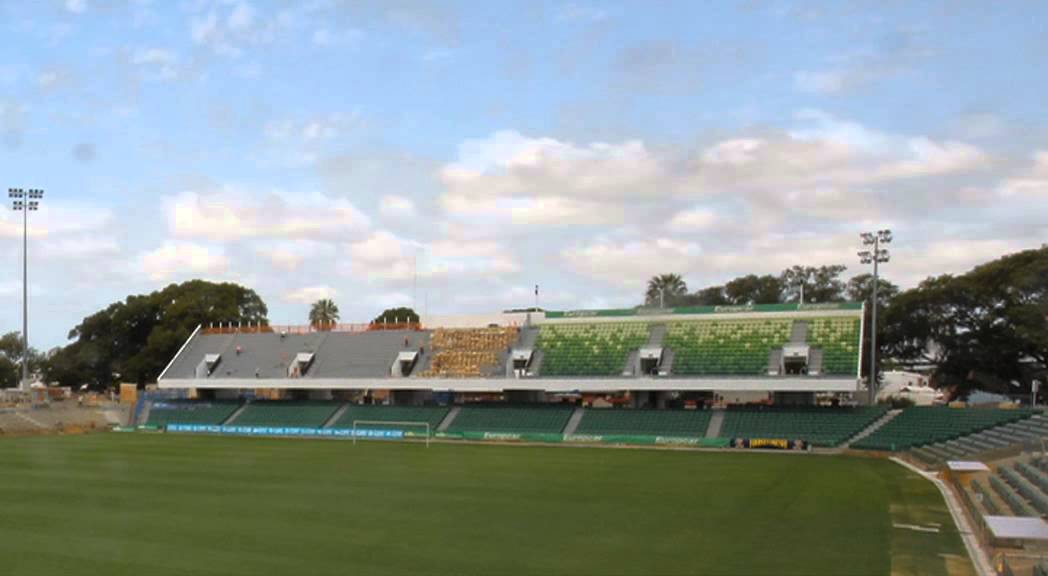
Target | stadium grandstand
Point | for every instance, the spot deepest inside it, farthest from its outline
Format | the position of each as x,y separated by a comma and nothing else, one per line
778,376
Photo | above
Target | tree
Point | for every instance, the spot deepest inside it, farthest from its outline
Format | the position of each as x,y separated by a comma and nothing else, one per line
665,289
11,352
821,284
987,328
400,315
711,296
753,289
323,312
134,339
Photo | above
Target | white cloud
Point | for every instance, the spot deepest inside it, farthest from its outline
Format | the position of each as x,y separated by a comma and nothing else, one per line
310,294
231,214
79,248
184,259
163,62
393,206
386,257
1033,184
630,264
696,220
76,6
509,164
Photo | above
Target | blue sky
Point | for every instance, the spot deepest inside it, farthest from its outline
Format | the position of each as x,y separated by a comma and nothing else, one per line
326,148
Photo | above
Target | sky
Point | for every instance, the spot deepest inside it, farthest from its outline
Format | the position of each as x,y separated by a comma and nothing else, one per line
452,155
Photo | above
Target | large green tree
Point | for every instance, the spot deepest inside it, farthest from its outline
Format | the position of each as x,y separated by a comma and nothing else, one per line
987,328
396,316
11,352
821,283
666,289
323,313
860,289
132,340
753,289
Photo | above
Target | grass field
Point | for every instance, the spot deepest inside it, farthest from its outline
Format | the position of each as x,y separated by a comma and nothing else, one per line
147,504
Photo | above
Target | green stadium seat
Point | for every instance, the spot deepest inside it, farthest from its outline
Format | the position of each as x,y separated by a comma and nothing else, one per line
511,418
817,426
638,422
925,425
432,415
162,413
725,347
293,414
597,349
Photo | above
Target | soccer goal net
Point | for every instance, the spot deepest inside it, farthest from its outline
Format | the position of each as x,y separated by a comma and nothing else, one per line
390,429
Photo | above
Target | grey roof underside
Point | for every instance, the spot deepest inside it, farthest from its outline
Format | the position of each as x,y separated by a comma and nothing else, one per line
336,354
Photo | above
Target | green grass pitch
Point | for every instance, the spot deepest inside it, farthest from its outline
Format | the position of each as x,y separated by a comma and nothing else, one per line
147,504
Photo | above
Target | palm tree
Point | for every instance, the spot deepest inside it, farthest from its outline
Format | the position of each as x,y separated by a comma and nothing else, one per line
323,313
664,288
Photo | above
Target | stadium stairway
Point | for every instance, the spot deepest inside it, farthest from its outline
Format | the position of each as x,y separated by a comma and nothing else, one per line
335,416
873,427
799,332
716,422
233,417
454,412
573,422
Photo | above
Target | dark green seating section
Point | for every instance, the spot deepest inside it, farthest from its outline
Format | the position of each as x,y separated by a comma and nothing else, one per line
1027,489
839,340
190,412
512,419
725,347
986,499
929,424
611,421
431,415
1010,497
817,426
294,414
597,349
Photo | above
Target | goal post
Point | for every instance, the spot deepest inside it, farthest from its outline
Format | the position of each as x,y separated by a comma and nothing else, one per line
389,425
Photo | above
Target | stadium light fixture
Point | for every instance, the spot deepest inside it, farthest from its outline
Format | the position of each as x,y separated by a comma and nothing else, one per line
876,255
25,201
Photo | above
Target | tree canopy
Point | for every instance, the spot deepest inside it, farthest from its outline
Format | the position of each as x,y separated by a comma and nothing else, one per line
400,315
323,312
987,328
132,340
665,289
11,348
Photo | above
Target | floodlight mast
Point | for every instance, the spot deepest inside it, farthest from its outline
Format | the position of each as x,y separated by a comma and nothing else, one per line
874,256
25,201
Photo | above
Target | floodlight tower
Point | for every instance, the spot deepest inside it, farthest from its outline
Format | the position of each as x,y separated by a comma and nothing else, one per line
876,255
25,201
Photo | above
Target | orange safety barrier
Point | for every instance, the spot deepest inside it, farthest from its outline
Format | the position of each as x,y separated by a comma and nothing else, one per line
299,329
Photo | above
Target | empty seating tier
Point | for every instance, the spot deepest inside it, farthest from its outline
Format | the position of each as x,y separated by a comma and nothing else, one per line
190,412
468,352
679,423
512,419
839,340
817,426
1027,489
728,347
431,415
1010,497
288,414
598,349
930,424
